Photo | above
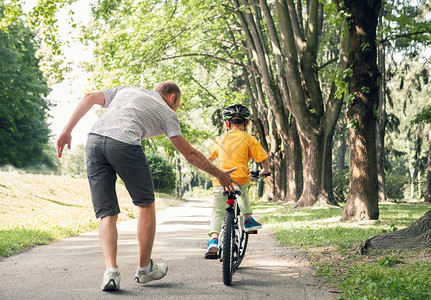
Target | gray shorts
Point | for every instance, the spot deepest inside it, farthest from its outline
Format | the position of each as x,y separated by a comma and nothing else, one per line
106,158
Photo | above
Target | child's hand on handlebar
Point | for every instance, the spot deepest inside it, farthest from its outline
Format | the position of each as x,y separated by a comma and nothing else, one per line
264,173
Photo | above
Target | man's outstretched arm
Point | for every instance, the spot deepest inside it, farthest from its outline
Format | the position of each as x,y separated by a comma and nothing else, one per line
197,159
83,107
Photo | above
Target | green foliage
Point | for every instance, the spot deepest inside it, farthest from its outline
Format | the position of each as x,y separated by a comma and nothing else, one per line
11,12
340,184
145,42
365,47
388,261
20,238
382,282
423,117
407,25
409,93
163,172
42,19
307,236
396,185
341,79
24,132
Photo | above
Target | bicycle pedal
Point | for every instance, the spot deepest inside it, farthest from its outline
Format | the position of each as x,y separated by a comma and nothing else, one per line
252,232
211,255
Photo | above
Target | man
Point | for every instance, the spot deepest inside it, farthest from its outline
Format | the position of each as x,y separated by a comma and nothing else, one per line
114,147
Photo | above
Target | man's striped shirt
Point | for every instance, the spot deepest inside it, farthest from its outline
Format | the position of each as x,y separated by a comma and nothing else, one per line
133,114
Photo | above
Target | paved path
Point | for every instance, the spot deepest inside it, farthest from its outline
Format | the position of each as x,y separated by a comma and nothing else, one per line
73,268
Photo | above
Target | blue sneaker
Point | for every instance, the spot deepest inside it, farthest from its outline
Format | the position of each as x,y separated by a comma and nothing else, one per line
212,250
250,224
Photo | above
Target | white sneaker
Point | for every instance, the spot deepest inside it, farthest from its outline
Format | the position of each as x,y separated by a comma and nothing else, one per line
111,280
158,272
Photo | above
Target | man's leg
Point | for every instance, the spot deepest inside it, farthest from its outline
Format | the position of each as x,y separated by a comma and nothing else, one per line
146,232
148,270
108,236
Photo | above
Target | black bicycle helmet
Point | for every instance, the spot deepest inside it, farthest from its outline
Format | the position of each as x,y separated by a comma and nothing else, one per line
241,112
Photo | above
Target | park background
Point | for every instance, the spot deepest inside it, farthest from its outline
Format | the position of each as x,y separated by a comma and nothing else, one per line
345,142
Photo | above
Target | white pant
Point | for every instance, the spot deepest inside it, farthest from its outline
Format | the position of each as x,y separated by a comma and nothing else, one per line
219,206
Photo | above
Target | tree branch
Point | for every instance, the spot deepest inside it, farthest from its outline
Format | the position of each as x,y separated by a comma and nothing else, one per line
204,88
296,28
394,37
210,56
308,59
327,63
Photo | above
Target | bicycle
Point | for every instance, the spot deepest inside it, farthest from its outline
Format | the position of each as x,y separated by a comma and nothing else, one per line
233,237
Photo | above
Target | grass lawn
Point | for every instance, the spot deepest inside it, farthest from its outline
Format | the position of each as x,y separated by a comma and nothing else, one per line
333,247
38,209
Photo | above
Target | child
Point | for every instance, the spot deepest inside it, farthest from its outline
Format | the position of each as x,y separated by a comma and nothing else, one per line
234,149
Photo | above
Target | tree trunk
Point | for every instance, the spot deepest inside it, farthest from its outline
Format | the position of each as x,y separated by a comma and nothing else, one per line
333,109
326,194
418,162
294,168
280,179
342,148
415,236
428,188
381,126
293,164
362,201
312,155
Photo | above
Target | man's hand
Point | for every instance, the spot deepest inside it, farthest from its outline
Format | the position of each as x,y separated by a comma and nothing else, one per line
64,139
83,107
226,181
197,159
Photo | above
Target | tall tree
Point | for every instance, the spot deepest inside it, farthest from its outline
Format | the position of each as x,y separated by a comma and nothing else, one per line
284,39
24,132
362,201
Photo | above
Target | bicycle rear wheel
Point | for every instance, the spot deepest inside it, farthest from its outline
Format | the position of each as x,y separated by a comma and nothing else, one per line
227,244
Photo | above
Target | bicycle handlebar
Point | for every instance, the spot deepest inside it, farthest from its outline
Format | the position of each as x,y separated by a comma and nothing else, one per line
256,173
232,193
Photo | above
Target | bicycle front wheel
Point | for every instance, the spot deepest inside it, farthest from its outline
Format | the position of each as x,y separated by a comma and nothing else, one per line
227,251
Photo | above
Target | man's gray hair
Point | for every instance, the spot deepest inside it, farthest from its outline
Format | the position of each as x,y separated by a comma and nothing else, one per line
168,87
